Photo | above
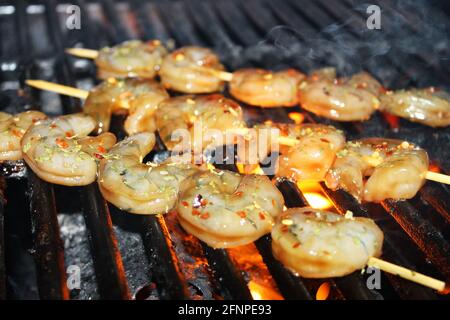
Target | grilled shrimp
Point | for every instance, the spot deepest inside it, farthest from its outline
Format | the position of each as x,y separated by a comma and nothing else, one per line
131,59
203,112
344,99
191,70
12,129
314,153
426,106
225,209
264,88
320,244
395,169
59,150
136,187
139,96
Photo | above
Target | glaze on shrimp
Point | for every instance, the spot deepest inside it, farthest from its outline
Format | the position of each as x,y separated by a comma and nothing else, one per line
136,187
427,106
265,88
226,209
375,169
191,70
131,59
320,244
344,99
59,150
12,129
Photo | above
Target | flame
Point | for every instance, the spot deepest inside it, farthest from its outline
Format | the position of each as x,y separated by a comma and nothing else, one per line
314,195
261,292
297,117
323,291
434,168
249,169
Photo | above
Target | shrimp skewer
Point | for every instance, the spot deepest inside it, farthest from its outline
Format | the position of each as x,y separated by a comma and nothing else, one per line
59,150
225,209
12,129
344,99
320,244
264,88
136,187
427,106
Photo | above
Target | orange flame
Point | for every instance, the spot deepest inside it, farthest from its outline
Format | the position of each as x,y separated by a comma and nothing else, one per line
314,195
297,117
323,292
261,292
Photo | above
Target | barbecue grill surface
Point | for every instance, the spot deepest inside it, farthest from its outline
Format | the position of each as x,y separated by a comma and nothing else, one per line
44,229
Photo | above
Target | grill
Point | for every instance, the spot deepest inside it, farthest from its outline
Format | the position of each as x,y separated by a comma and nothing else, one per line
46,230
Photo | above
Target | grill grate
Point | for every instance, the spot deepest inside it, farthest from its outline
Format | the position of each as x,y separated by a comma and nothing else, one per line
264,33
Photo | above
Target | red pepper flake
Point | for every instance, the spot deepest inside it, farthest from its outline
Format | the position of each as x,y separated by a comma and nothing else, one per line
273,202
62,143
296,245
98,156
239,193
284,228
101,149
195,212
205,215
185,204
53,126
203,202
324,140
241,214
69,134
16,133
262,216
308,213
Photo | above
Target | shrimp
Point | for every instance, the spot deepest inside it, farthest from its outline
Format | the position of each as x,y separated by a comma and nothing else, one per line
139,97
320,244
264,88
59,151
12,129
226,209
203,112
191,70
344,99
427,106
136,187
131,59
314,153
395,169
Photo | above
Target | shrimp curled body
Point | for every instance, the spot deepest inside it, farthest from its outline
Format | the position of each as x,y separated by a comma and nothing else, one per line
131,59
320,244
12,129
225,209
191,70
136,187
59,150
264,88
138,97
394,169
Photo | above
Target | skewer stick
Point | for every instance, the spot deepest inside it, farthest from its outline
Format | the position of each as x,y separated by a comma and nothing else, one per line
92,54
83,53
407,274
58,88
438,177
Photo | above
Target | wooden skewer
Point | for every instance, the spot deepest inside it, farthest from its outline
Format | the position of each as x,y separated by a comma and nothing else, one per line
83,53
407,274
92,54
58,88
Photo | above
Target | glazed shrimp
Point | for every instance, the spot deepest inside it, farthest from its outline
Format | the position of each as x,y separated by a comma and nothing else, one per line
12,129
314,153
265,88
59,151
131,59
191,70
427,106
192,112
394,169
225,209
136,187
344,99
320,244
139,97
